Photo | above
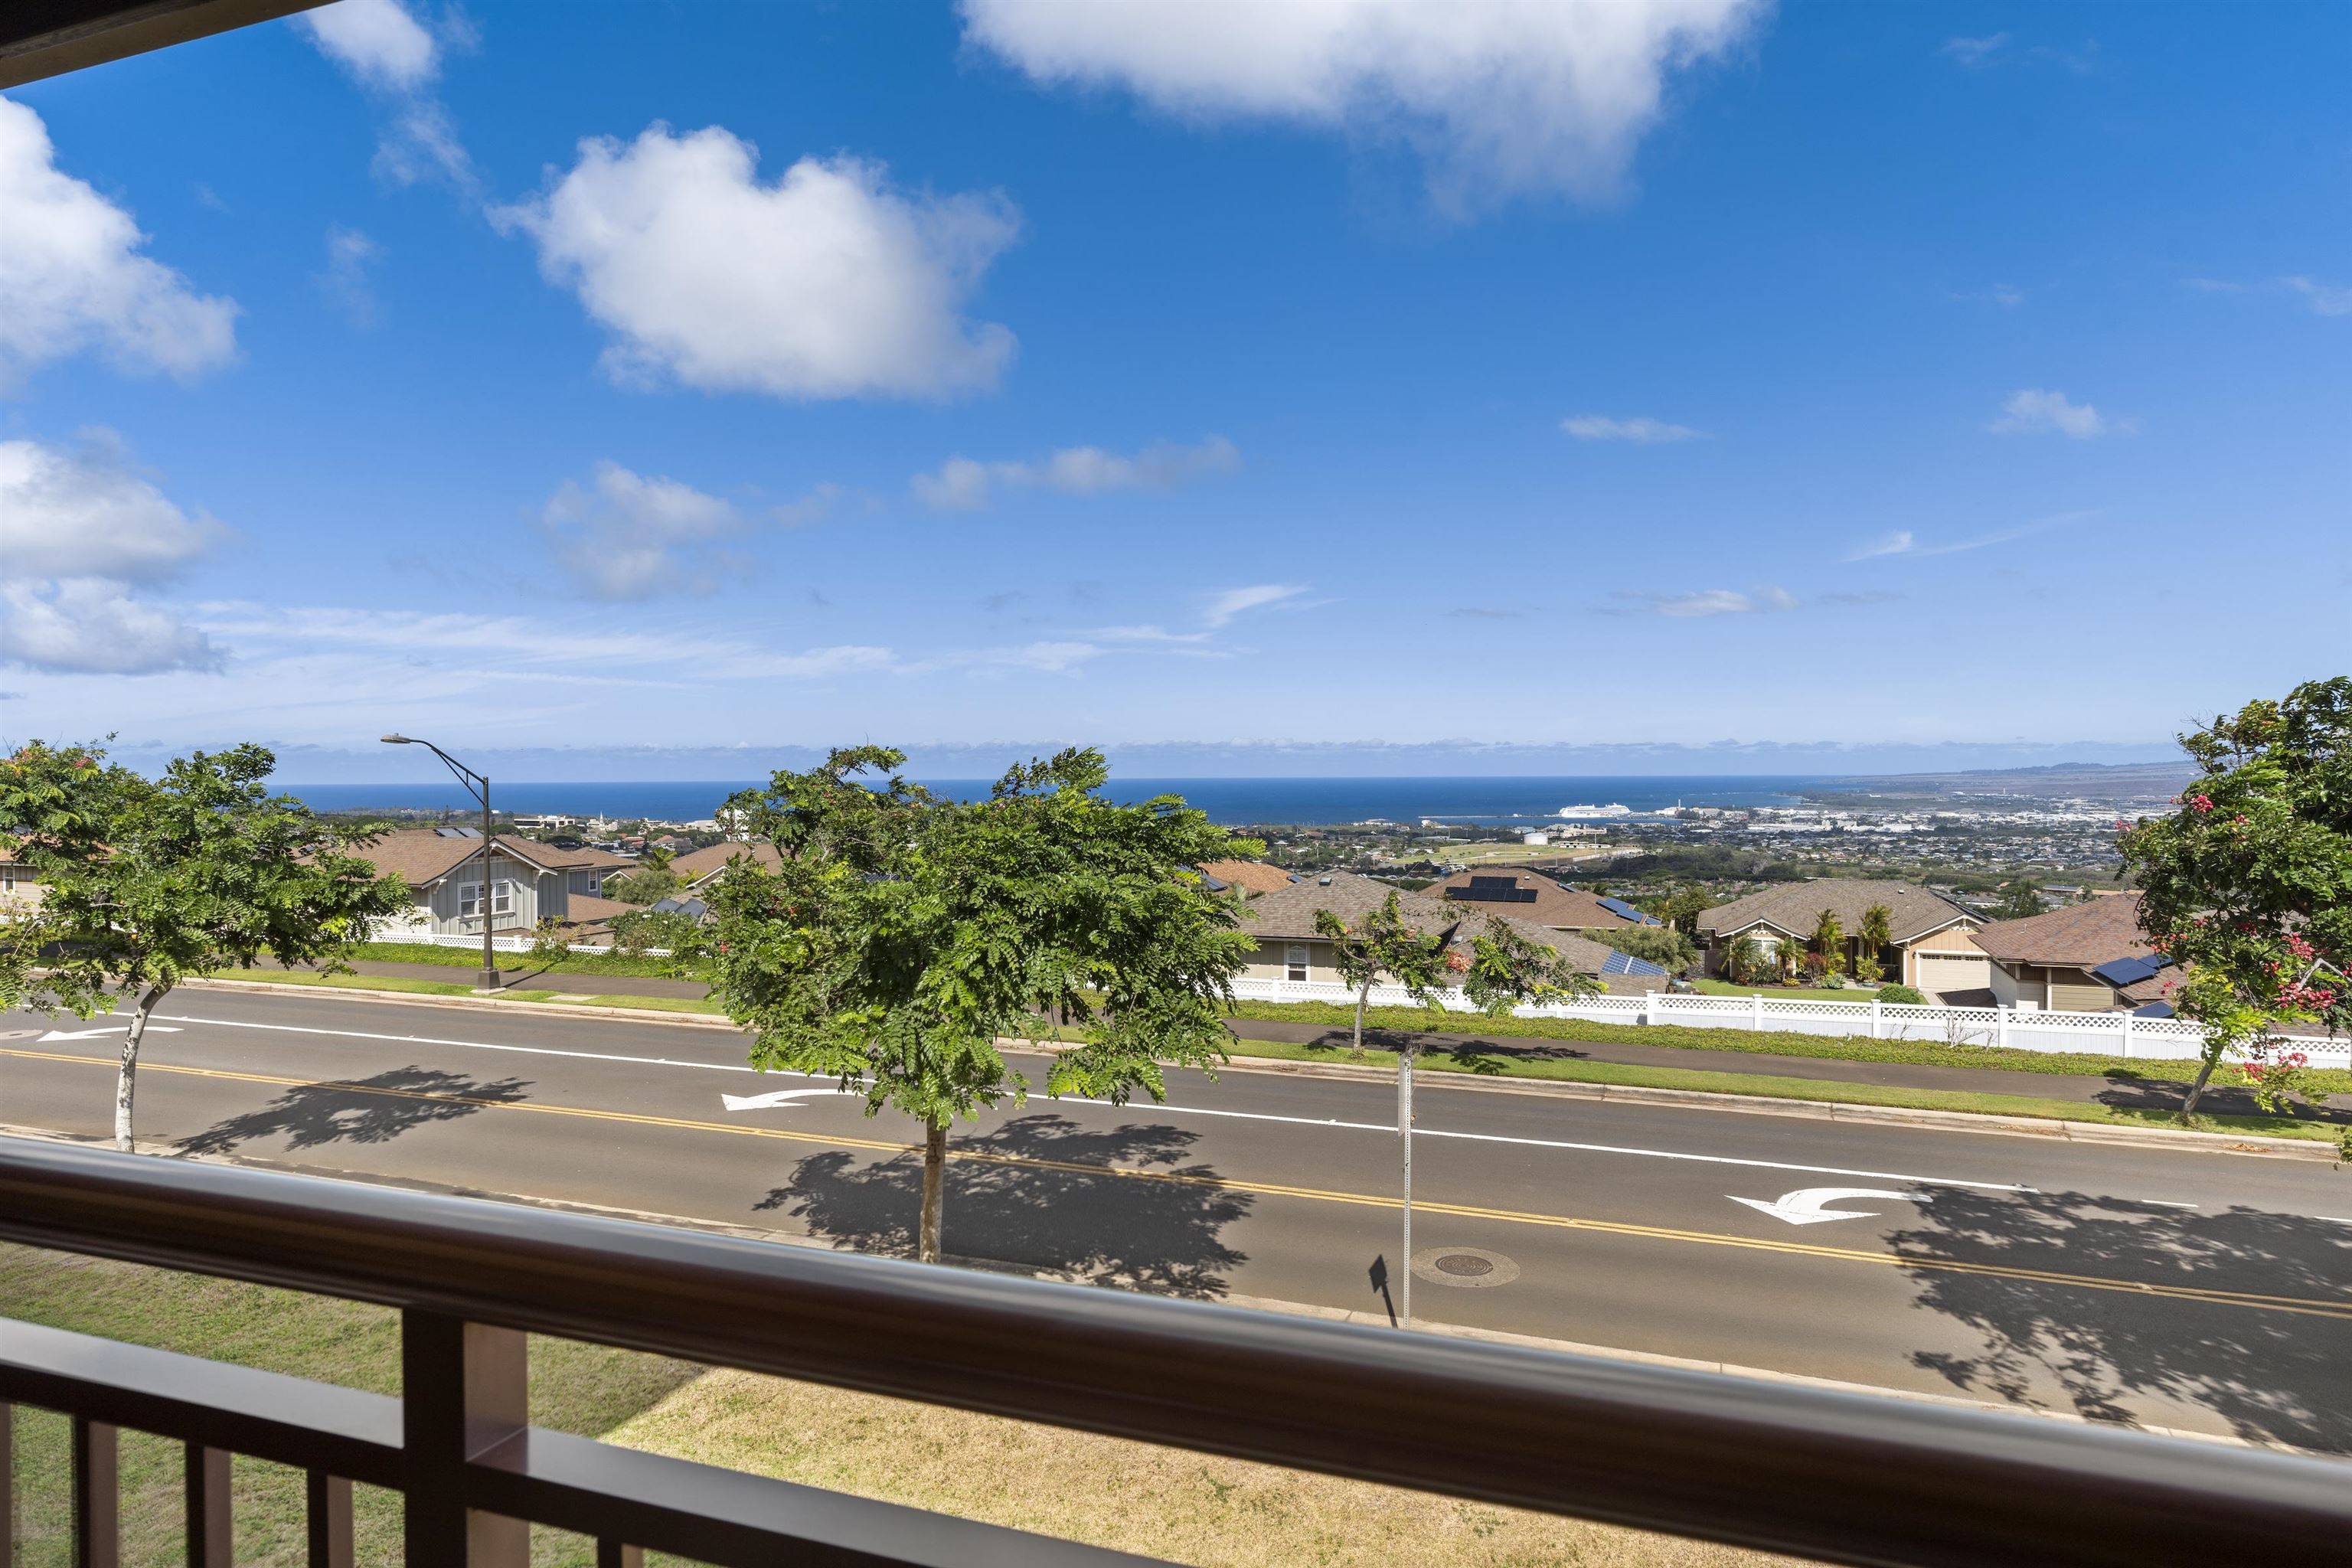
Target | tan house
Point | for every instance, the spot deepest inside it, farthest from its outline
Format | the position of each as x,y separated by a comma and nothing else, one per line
1290,947
528,881
1539,900
20,884
2086,958
1931,940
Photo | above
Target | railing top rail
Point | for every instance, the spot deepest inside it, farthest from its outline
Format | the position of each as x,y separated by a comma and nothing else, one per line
1834,1476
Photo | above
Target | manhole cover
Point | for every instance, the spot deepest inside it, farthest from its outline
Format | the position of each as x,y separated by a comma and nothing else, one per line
1465,1267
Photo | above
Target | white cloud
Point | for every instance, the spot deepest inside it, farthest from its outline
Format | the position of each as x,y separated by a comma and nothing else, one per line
964,484
88,514
1499,99
1715,601
350,254
1233,602
378,41
1641,431
72,277
76,528
89,626
814,507
629,537
2035,411
1898,543
1975,51
422,145
827,283
2325,299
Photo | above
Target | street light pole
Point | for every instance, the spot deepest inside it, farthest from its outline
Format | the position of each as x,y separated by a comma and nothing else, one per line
1404,1128
477,785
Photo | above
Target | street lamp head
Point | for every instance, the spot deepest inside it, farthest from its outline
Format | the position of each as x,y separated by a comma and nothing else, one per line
398,740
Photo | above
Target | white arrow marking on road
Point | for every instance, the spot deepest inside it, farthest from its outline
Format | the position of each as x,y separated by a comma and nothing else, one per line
783,1097
1804,1206
101,1032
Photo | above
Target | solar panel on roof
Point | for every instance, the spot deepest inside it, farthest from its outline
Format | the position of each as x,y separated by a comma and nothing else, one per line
1620,908
1626,964
2122,971
1492,891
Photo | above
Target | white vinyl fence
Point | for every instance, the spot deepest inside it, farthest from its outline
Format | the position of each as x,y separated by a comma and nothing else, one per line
410,936
2101,1034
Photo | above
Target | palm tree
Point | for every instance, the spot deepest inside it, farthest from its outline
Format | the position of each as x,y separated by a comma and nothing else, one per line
1829,941
1877,933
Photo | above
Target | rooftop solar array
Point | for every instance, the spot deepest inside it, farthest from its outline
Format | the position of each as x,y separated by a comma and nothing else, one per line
2123,972
1626,964
1620,908
1493,890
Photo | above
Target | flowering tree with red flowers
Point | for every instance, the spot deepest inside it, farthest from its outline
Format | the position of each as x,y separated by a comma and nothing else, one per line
2247,885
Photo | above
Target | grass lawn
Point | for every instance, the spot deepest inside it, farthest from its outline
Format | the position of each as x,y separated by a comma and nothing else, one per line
472,958
1488,1064
1160,1501
1823,1047
1780,993
660,1004
370,982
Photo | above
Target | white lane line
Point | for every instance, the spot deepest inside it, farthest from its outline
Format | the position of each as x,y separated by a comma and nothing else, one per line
1385,1127
2333,1218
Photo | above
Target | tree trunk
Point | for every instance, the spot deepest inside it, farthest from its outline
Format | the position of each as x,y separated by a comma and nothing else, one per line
2204,1072
935,1164
125,1081
1363,995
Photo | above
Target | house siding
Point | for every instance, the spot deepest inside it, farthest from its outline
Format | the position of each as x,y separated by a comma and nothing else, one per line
537,895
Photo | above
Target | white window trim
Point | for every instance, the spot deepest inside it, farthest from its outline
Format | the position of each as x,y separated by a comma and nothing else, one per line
1294,965
469,899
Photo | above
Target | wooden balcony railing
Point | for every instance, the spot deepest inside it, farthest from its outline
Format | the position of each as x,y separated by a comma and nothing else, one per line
1835,1476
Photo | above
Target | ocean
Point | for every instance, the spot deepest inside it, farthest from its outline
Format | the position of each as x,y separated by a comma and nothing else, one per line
1306,801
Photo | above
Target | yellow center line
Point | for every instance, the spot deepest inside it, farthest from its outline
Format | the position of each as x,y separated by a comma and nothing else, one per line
2301,1305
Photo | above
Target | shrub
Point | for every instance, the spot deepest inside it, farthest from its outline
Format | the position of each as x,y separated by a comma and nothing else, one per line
1901,992
1833,980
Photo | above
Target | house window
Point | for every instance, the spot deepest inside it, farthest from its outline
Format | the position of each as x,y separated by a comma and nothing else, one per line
469,899
595,884
1294,961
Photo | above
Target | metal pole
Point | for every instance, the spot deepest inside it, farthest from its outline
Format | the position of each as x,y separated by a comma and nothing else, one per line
489,960
1404,1128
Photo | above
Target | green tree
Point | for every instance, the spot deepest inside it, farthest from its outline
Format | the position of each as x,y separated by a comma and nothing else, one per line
2021,899
1877,935
645,885
1745,961
902,934
1829,941
55,803
201,870
2247,885
677,940
1665,945
1681,909
1382,942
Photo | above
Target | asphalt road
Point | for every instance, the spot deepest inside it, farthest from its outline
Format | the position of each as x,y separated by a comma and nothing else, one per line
2209,1292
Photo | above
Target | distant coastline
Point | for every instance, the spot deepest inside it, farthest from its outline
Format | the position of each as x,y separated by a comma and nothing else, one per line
1314,802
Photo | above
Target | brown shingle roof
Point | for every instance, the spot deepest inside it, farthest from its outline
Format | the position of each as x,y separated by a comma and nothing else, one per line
1913,911
1290,913
1568,907
580,910
1249,875
2086,936
698,865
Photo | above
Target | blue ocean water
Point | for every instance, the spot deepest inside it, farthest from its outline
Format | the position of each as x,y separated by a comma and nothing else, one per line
1310,801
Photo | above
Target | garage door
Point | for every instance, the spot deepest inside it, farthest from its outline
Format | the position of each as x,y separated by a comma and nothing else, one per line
1941,972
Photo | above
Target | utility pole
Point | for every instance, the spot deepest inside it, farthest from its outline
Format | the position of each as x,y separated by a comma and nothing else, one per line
477,785
1404,1131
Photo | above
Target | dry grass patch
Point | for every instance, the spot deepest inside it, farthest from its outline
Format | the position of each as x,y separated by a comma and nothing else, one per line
1134,1497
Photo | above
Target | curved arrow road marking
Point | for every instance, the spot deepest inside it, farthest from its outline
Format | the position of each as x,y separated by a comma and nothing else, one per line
1806,1205
782,1099
103,1031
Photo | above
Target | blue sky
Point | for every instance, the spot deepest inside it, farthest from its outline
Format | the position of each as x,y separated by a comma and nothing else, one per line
1669,372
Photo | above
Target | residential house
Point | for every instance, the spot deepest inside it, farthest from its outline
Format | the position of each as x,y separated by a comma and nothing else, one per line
1931,940
2089,958
1290,947
697,869
1539,900
20,884
1251,876
528,882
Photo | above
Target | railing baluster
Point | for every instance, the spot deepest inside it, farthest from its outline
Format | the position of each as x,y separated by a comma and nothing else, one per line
208,1509
97,1496
7,1485
611,1553
465,1387
330,1520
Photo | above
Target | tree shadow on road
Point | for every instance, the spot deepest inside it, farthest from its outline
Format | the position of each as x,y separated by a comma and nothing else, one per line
360,1110
2135,1089
1042,1192
1479,1056
2274,1376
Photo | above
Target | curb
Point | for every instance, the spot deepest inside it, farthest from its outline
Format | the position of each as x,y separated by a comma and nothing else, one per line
1251,1303
1980,1122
